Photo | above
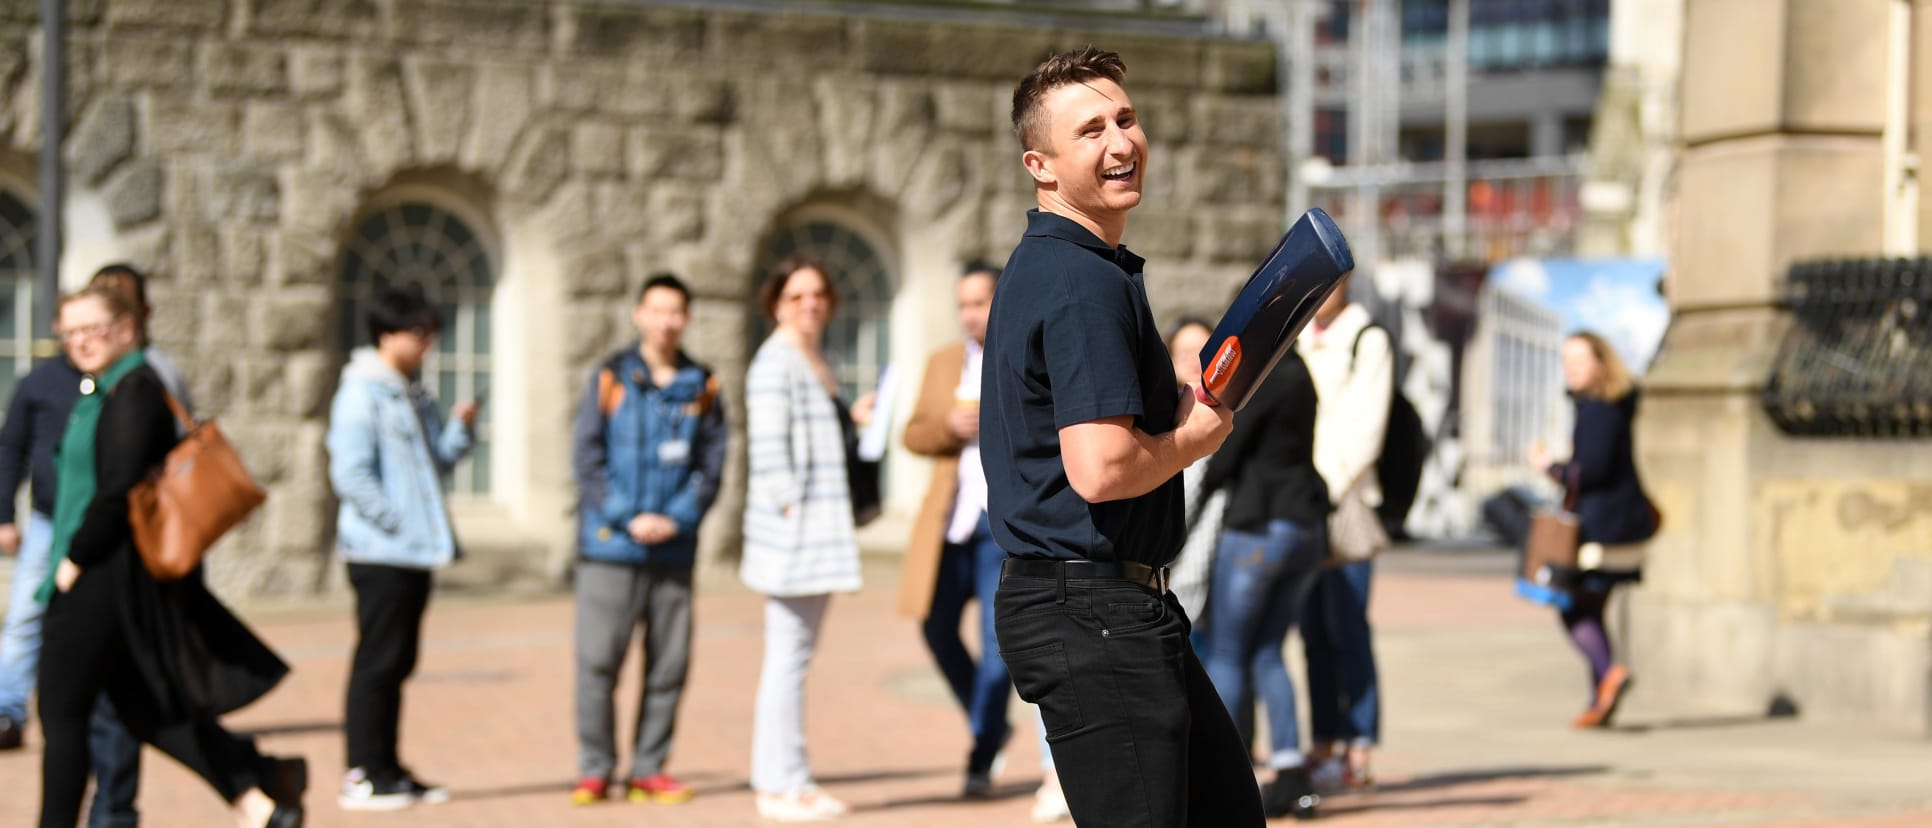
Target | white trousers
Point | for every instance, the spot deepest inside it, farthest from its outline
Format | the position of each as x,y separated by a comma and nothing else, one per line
778,763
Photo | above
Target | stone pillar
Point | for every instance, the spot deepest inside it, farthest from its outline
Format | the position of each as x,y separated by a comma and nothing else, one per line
1772,575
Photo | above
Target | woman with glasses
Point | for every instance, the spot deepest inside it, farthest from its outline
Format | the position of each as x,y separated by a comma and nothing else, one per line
169,656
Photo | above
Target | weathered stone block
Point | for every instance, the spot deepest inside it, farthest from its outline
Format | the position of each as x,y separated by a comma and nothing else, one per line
134,195
194,14
597,148
236,68
604,89
492,27
180,126
197,253
1166,116
1236,176
440,105
596,275
1239,68
245,196
143,60
1158,233
988,52
799,42
293,321
971,108
1254,122
316,72
309,379
677,213
315,18
214,383
103,139
588,331
333,146
696,155
262,386
1157,61
622,208
244,256
540,164
317,204
1754,66
175,322
1748,209
659,36
703,100
1243,237
377,107
273,130
510,96
302,259
263,449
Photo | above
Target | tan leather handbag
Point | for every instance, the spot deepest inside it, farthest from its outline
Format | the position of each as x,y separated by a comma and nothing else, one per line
1552,546
201,492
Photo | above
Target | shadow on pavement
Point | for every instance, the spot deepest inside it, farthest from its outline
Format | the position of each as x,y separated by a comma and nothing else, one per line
1000,793
1473,776
294,728
1362,806
1697,723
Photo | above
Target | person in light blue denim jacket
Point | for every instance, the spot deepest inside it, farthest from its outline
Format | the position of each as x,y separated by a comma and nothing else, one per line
388,453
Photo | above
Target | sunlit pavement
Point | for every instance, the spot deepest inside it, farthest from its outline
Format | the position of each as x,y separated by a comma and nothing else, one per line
1479,689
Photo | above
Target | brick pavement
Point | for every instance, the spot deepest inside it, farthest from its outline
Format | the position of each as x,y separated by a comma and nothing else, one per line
489,714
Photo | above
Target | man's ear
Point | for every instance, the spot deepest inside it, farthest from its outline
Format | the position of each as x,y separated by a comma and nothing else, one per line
1037,165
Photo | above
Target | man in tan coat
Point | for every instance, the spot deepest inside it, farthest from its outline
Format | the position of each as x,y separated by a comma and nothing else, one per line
951,558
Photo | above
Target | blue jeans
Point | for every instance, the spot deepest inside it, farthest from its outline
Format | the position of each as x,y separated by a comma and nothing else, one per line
117,769
1344,695
20,637
1260,582
967,571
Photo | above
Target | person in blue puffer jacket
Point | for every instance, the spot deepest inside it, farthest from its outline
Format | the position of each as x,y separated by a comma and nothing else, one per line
648,452
388,453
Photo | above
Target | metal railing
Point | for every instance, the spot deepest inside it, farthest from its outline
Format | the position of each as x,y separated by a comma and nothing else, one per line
1857,359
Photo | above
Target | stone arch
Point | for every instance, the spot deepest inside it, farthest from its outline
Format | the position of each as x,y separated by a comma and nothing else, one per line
851,233
433,230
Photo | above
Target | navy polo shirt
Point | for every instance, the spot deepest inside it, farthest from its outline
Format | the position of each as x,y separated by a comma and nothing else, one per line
1071,340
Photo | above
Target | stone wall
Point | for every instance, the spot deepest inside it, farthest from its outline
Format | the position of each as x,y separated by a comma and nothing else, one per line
235,142
1787,567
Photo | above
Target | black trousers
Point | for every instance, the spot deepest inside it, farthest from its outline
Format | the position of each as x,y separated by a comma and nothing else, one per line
1139,735
85,654
390,601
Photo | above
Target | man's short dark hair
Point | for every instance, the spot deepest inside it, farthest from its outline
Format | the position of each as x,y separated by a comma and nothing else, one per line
666,281
979,266
400,308
1078,66
123,270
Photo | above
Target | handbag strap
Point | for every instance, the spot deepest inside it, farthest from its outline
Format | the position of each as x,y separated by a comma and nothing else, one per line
180,413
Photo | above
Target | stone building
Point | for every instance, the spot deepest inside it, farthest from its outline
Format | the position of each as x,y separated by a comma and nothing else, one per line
1792,565
268,161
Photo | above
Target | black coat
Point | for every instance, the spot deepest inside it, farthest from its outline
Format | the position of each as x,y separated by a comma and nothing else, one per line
194,657
1601,476
1268,462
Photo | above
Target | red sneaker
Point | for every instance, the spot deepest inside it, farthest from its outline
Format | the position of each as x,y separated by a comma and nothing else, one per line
589,791
659,788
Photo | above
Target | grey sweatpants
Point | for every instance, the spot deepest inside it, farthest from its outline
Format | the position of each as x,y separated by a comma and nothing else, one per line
612,599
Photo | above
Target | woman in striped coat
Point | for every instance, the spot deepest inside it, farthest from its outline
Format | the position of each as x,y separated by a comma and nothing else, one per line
799,544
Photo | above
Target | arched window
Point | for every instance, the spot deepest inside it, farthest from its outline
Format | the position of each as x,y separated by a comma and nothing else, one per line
860,338
417,243
16,290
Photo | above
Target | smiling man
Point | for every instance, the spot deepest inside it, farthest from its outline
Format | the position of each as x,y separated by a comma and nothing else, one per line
1083,446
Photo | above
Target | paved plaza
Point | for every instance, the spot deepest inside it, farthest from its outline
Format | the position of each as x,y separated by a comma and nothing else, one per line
1479,687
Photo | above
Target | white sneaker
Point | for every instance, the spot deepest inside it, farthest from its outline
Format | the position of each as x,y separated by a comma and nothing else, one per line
360,793
809,804
1050,803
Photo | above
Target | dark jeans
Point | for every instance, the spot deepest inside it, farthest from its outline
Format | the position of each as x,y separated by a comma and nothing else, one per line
1344,691
117,770
1260,582
86,657
1138,734
969,571
390,602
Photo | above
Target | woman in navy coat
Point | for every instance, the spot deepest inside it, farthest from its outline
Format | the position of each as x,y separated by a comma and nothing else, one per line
1600,481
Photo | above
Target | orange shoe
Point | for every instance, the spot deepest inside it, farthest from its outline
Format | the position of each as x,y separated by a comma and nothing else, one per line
659,788
589,791
1610,691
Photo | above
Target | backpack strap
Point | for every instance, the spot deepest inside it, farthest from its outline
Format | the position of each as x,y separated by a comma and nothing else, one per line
610,390
1355,350
710,396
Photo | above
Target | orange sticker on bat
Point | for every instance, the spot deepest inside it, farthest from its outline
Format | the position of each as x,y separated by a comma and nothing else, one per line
1222,367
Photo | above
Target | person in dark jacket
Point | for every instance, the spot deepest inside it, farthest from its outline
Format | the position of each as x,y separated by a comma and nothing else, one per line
35,418
1601,486
169,656
649,453
1273,543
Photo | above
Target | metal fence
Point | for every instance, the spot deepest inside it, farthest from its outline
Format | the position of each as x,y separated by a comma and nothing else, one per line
1857,360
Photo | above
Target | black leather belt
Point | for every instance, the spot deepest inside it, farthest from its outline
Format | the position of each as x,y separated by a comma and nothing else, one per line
1154,578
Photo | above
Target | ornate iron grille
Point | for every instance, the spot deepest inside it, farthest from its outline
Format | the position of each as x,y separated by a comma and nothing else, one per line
1857,360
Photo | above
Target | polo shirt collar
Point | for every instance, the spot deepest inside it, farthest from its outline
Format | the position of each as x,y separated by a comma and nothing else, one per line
1055,226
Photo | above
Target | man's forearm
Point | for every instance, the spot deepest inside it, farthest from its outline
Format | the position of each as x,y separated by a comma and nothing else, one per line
1112,460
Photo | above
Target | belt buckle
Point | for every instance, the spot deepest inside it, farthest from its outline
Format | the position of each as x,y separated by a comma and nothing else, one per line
1160,579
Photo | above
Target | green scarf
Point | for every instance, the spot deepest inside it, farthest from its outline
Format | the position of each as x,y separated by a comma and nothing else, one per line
74,482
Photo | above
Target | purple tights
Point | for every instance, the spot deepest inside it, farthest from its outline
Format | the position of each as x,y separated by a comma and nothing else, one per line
1584,621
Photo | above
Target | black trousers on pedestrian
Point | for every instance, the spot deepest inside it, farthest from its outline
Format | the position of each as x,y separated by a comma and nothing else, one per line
1139,735
390,602
85,654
